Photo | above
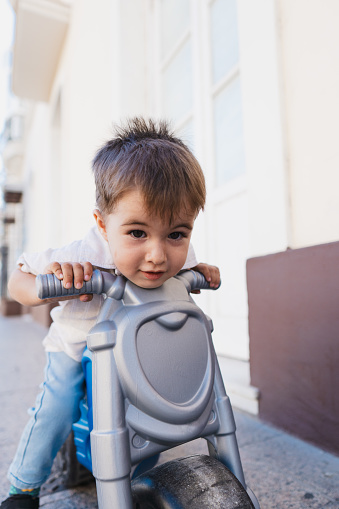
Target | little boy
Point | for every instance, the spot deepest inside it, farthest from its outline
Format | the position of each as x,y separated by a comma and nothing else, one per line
149,191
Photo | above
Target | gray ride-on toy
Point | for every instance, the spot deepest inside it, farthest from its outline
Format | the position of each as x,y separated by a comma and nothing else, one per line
154,383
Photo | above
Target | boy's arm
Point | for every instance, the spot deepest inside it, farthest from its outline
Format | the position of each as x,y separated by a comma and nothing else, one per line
21,285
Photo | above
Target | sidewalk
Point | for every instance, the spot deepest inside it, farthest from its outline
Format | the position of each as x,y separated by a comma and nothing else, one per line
284,472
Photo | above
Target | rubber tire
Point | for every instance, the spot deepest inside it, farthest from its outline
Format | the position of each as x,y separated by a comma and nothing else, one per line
195,482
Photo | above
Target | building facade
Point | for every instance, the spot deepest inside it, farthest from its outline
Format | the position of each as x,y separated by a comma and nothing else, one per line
250,86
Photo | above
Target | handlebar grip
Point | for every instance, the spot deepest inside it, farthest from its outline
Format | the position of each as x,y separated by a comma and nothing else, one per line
196,281
49,286
200,282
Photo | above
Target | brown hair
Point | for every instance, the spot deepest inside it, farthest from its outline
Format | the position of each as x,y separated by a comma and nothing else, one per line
146,155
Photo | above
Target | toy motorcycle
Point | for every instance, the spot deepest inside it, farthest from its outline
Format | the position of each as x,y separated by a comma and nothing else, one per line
153,382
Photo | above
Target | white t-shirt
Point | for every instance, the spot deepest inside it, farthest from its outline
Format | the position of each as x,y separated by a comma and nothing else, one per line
73,319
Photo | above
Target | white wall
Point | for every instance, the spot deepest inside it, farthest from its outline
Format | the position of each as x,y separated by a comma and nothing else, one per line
310,72
267,185
37,201
86,82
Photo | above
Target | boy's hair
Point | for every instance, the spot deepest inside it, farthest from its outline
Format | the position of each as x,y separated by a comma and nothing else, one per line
146,155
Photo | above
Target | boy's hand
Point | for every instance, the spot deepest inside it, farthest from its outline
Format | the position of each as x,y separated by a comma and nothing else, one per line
72,274
210,272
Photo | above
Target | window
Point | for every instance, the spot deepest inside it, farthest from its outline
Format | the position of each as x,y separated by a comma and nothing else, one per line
177,84
226,92
176,67
228,142
174,23
224,38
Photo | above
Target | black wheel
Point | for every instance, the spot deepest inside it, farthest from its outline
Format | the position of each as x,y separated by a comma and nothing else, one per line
71,472
195,482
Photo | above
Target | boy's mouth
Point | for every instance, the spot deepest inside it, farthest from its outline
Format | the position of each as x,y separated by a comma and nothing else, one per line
153,276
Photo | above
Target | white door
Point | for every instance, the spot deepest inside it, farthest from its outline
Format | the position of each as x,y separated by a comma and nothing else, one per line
199,87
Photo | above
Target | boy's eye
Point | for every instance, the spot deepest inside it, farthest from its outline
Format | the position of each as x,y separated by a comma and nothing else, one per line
137,234
176,236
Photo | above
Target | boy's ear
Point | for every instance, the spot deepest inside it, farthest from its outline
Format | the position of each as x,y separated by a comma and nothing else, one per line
100,223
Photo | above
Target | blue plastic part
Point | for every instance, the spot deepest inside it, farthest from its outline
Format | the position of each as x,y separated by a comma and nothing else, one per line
83,427
87,367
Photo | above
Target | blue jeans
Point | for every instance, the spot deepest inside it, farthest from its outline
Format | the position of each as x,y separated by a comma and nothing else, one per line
57,407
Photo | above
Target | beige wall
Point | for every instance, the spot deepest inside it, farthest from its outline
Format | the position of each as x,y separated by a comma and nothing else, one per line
310,72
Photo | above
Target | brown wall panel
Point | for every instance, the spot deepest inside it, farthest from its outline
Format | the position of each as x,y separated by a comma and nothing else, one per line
294,340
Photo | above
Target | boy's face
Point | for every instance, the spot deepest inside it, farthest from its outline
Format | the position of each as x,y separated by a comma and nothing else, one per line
146,249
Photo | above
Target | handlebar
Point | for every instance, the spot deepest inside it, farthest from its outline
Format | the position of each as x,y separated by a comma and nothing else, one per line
49,286
195,280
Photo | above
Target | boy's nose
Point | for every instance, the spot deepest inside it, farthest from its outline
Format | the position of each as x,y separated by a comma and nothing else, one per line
156,253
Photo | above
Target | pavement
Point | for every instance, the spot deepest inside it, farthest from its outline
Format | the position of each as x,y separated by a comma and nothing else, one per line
283,471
